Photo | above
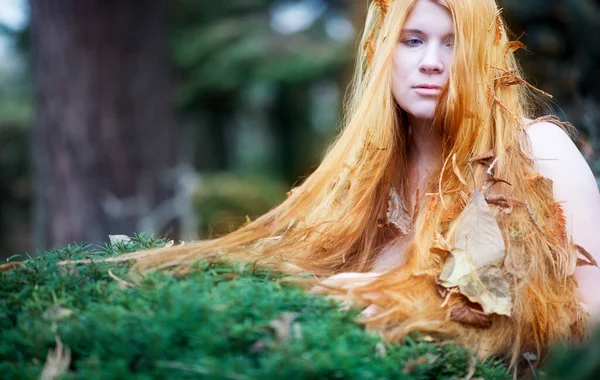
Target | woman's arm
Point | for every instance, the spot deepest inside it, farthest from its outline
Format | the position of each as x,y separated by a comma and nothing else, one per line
557,158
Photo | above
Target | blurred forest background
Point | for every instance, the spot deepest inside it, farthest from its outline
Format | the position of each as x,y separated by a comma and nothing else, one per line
183,117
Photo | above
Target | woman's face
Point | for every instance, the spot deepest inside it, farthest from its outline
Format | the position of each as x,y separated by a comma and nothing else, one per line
422,59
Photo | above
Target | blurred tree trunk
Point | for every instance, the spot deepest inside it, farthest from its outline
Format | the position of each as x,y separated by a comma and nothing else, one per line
104,135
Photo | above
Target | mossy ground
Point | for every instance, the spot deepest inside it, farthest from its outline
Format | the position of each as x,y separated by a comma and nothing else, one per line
218,321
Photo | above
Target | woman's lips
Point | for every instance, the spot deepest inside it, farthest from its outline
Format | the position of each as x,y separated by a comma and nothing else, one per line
428,90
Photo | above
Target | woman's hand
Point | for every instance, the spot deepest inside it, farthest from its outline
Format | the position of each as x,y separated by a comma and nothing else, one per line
346,282
343,281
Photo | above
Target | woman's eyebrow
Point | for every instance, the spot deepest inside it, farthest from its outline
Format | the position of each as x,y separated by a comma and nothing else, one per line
421,33
412,31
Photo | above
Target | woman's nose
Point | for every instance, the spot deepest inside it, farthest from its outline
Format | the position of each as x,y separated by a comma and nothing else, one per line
432,60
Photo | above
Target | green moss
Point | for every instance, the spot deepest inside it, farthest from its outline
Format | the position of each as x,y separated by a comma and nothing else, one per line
216,322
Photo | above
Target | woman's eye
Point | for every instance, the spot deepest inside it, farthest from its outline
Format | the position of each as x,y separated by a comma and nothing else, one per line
412,42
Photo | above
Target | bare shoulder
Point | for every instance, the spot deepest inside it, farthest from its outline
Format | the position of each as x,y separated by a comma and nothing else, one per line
549,138
556,157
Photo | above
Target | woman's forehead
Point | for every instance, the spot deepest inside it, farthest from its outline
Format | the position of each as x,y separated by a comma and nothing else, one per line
429,15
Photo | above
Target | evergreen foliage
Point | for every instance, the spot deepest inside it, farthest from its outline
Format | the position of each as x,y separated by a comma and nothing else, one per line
217,321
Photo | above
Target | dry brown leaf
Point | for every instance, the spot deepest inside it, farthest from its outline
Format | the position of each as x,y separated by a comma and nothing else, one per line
114,239
397,213
342,283
484,158
499,27
533,217
181,270
9,267
57,361
490,169
472,265
583,263
489,288
383,5
478,232
258,346
369,47
412,363
511,77
122,283
467,315
229,276
427,338
297,331
57,313
491,181
590,260
472,367
380,350
539,183
448,296
441,245
458,264
513,46
442,291
282,326
559,224
457,170
500,201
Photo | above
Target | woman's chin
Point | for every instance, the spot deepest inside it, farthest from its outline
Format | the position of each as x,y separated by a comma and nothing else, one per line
421,114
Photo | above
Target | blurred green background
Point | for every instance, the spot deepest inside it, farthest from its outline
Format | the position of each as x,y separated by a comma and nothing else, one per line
185,117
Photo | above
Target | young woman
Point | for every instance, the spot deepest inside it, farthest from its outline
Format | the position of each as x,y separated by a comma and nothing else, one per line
441,204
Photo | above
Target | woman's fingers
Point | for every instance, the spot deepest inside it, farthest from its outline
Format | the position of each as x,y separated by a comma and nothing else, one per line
345,281
370,311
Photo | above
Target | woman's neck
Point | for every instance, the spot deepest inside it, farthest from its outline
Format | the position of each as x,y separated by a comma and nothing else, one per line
425,154
425,143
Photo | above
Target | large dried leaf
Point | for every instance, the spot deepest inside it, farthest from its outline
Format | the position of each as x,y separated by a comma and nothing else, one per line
473,263
458,264
478,233
486,286
489,288
397,213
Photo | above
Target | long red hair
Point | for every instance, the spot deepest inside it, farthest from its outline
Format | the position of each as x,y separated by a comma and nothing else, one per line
332,222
